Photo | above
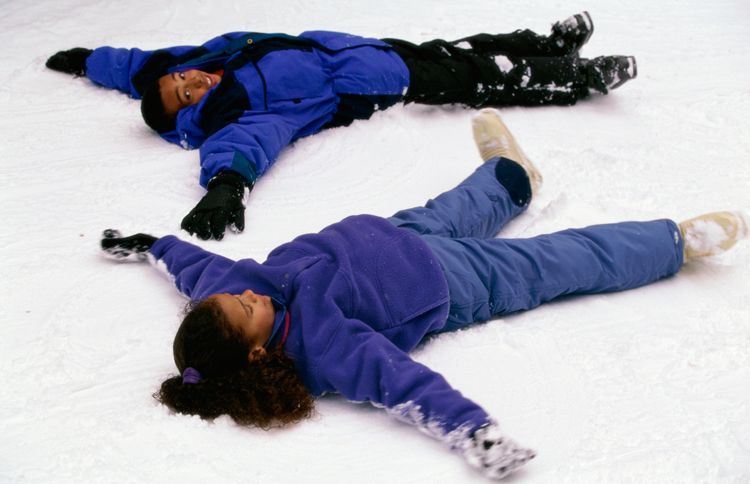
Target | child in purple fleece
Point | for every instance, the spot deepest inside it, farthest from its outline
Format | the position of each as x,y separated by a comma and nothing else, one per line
338,311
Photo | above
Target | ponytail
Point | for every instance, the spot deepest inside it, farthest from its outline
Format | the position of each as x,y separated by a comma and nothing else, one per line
265,392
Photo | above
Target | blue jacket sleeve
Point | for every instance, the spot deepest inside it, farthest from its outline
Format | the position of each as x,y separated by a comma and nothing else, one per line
115,67
194,270
248,146
363,365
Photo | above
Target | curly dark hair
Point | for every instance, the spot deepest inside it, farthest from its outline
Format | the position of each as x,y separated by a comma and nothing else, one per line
153,112
266,392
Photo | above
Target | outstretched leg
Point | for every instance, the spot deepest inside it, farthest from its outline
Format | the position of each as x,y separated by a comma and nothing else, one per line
491,277
537,81
518,69
478,207
441,73
482,204
523,43
566,37
498,276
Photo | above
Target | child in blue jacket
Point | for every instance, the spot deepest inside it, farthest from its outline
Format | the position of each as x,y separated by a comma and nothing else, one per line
338,311
242,97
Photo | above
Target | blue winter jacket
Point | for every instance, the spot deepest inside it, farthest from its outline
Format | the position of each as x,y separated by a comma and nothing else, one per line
275,89
360,294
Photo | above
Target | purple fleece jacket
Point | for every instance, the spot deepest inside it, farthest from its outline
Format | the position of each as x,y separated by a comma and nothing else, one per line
361,294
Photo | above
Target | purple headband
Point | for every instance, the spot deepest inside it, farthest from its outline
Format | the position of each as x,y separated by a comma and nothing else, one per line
190,376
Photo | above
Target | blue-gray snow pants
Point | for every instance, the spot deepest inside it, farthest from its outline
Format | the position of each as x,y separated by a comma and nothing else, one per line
490,276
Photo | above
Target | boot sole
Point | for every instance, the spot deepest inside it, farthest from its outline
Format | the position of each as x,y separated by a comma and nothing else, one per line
586,19
735,230
632,73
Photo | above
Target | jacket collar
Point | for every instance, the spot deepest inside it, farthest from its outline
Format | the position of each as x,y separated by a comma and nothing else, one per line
280,324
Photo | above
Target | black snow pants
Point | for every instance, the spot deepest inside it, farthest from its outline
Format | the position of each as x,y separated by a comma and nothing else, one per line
517,69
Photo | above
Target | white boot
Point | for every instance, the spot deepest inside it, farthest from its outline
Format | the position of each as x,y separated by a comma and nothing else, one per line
712,233
493,139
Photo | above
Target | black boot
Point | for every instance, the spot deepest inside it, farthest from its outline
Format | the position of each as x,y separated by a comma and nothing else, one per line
608,72
573,32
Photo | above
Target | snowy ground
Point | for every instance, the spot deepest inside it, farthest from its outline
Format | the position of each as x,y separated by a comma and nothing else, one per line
645,386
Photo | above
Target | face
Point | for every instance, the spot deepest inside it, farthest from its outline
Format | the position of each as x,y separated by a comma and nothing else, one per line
250,313
182,89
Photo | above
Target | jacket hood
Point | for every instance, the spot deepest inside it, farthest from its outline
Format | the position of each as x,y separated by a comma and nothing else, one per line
188,132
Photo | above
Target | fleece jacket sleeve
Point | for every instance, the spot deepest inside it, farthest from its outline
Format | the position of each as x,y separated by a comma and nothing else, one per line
363,365
194,270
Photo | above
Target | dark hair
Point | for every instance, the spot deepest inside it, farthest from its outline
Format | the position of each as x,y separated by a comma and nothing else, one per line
265,392
152,109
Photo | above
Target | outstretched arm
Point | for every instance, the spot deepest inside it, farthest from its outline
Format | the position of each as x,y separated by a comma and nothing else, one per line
116,68
219,208
193,269
364,366
105,66
250,145
131,248
232,159
71,61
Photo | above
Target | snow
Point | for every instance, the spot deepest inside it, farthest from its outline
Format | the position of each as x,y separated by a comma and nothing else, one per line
503,63
649,385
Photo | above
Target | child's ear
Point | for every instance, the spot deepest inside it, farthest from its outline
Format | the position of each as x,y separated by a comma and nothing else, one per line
256,353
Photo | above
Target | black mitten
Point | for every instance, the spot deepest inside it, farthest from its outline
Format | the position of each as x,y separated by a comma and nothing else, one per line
71,61
117,247
221,206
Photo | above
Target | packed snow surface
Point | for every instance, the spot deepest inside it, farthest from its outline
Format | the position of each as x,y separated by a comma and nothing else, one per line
646,386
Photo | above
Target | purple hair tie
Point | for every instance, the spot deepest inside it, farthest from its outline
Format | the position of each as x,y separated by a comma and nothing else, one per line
190,376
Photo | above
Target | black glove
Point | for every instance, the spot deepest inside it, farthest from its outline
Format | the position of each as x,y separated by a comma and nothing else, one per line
221,206
117,247
71,61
